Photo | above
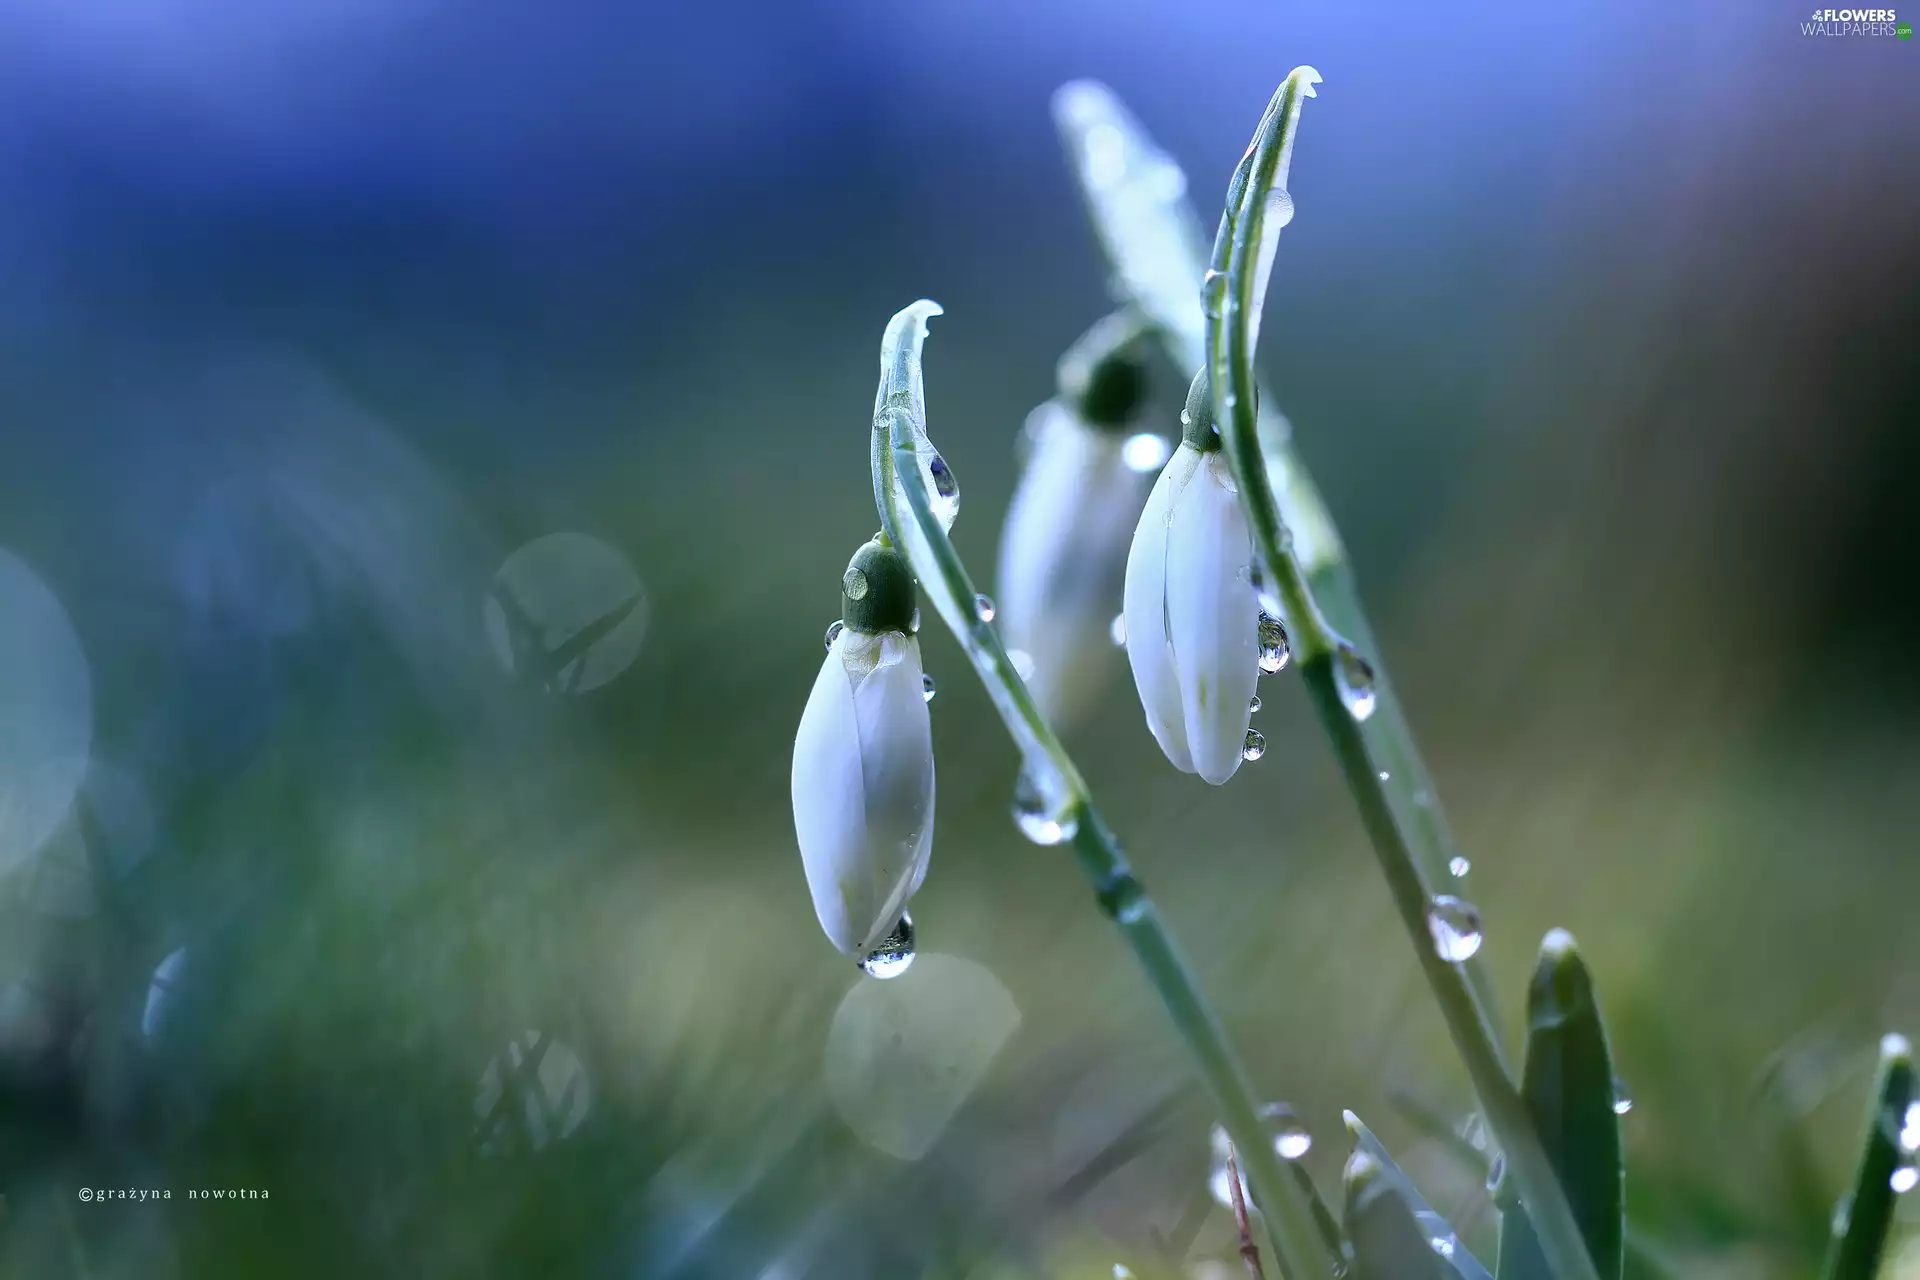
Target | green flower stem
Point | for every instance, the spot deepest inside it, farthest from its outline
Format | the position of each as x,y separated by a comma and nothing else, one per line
1332,585
1860,1231
898,421
1230,371
1153,242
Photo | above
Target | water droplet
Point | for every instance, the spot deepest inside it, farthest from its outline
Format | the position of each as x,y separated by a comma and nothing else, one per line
1622,1100
1459,866
914,626
1255,746
926,687
1842,1214
834,629
1442,1245
1213,292
983,608
1022,663
1496,1171
1385,776
1353,677
1279,211
944,490
1117,631
1291,1141
1038,821
1145,452
854,584
1910,1128
1273,644
1455,926
1904,1179
894,955
1122,1272
1253,704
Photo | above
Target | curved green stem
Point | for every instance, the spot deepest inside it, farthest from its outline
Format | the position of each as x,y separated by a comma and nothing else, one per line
906,512
1152,239
1234,282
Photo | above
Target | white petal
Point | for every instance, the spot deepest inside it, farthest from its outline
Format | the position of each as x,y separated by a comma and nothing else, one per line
863,787
1214,619
1149,649
1063,558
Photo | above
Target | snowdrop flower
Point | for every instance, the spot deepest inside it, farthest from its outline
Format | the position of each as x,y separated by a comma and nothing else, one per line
1193,620
863,760
1063,547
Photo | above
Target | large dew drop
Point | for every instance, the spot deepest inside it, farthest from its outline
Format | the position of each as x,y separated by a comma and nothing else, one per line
1456,929
1038,821
1291,1141
943,490
854,585
1274,650
1353,677
894,955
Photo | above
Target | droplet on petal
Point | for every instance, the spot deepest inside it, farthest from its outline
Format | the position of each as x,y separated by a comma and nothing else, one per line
926,687
894,955
1117,631
946,490
1253,704
834,629
1255,746
1456,929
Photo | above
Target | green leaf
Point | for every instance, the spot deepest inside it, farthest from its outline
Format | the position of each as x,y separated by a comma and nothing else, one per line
1886,1161
1568,1087
1388,1243
1457,1264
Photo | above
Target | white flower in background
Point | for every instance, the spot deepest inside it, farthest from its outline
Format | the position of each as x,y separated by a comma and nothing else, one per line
1192,618
863,761
1063,549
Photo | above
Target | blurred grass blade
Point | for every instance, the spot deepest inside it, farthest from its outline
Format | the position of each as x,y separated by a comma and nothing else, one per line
1453,1264
1388,1243
1568,1086
1886,1168
1136,200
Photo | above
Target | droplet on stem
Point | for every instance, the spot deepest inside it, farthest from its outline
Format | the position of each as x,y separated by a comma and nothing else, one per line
1904,1179
1459,866
1274,651
1353,678
983,608
894,955
1622,1100
1456,929
1038,821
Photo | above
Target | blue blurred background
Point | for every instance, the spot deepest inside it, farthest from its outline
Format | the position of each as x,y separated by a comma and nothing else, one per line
1597,325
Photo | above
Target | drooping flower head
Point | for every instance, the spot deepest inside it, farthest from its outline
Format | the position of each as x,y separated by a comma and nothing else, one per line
1064,545
863,760
1192,616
